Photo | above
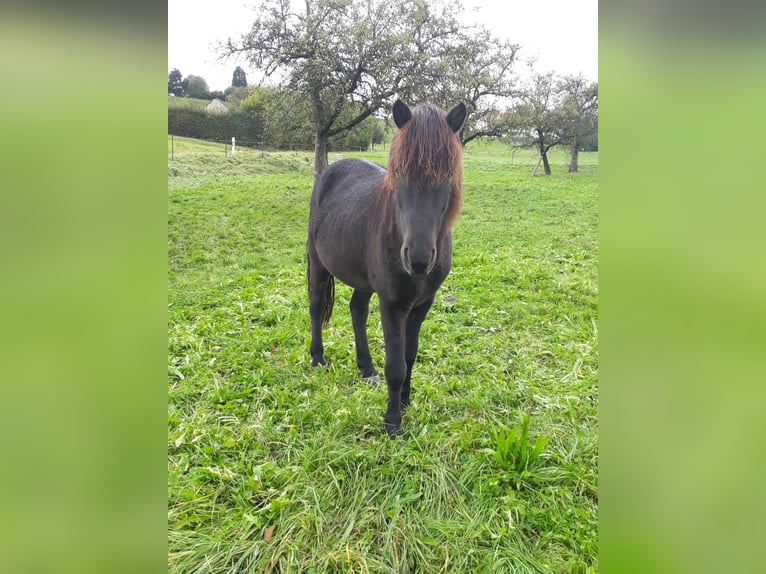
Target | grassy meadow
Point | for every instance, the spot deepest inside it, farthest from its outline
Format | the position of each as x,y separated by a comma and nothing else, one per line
184,102
277,467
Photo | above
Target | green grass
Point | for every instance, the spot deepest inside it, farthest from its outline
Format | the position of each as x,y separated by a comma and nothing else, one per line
276,467
183,102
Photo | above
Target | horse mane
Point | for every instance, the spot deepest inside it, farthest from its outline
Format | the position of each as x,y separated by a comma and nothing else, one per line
426,150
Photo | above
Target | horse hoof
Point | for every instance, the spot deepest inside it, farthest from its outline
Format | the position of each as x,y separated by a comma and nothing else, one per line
373,381
394,429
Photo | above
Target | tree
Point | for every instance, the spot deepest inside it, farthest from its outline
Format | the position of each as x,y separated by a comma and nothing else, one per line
175,82
357,138
348,55
235,96
239,79
578,114
378,133
288,121
538,113
197,87
478,72
259,101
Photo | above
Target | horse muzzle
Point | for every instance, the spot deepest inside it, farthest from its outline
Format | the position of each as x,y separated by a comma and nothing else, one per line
418,262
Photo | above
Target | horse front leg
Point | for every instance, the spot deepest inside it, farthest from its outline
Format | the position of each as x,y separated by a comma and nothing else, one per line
360,310
394,319
414,322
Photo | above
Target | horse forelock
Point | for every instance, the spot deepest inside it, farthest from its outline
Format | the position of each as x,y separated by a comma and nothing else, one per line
426,150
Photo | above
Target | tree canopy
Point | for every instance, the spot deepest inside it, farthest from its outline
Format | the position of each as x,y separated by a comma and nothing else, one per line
239,79
578,116
479,71
350,58
537,112
175,82
550,111
334,65
197,87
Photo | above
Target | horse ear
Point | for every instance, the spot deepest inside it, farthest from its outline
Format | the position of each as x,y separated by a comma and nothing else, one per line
456,117
402,113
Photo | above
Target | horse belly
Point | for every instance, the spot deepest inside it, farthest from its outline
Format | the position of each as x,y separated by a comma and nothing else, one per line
345,258
344,219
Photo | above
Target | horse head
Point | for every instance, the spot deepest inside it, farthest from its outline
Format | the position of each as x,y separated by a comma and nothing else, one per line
425,164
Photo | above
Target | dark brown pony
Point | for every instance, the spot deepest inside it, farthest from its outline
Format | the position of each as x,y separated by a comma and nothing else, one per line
390,233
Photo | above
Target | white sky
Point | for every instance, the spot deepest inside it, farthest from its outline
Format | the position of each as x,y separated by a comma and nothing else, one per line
561,34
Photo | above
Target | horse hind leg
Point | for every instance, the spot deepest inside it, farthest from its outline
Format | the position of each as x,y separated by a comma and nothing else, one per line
321,288
360,310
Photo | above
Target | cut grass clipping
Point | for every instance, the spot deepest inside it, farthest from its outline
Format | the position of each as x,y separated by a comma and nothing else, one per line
277,467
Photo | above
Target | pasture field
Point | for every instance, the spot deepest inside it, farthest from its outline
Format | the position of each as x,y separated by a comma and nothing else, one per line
191,103
277,467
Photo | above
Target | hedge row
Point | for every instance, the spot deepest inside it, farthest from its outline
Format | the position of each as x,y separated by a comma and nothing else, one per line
250,130
246,127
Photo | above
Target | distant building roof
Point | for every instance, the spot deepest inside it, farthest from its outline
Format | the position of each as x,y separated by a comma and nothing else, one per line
217,107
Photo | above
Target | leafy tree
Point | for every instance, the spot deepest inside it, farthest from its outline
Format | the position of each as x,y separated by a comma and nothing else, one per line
538,114
216,94
578,114
259,101
478,72
175,82
197,87
288,121
378,133
239,79
235,96
348,54
357,138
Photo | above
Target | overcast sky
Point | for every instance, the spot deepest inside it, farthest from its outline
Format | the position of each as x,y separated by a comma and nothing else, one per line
561,34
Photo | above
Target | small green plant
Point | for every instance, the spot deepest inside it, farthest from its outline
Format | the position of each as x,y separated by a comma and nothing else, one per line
514,451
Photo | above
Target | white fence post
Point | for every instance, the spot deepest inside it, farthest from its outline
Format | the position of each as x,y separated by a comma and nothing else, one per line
233,150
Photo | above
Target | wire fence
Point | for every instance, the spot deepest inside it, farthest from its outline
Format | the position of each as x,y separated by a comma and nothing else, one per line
227,147
231,146
489,148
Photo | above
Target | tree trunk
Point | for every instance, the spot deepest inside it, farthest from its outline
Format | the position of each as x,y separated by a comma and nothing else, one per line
573,160
320,154
546,165
543,152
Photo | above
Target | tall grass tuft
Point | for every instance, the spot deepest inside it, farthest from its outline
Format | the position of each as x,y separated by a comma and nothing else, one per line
514,451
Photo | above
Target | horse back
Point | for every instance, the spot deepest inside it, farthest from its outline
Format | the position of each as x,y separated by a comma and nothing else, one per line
345,215
347,182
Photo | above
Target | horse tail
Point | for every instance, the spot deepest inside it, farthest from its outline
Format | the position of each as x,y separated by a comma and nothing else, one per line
328,291
329,299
